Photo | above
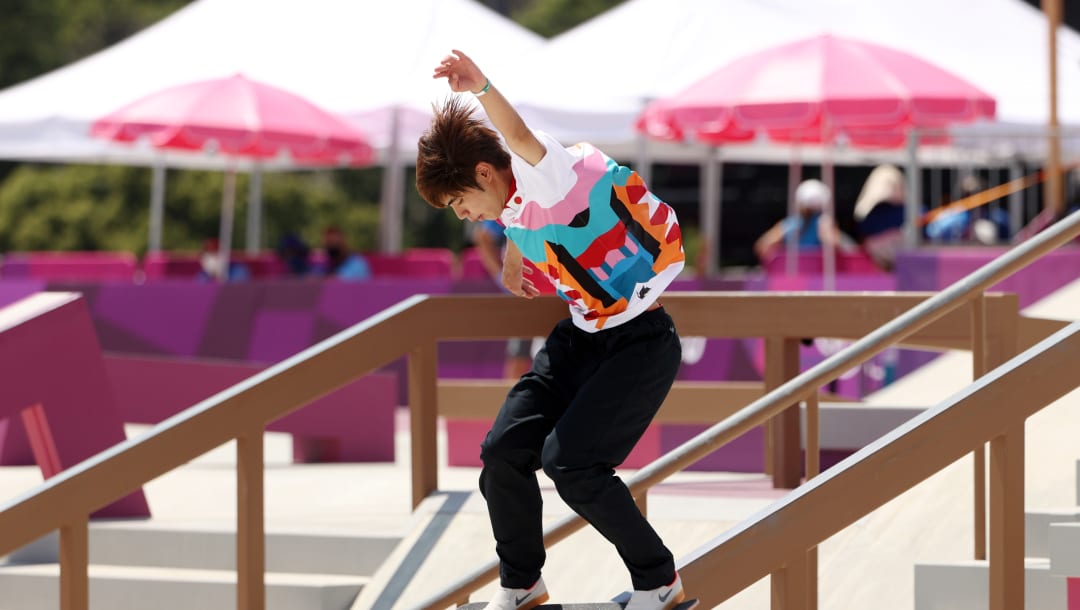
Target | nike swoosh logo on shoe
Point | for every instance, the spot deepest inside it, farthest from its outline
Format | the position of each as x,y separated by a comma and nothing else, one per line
664,596
517,601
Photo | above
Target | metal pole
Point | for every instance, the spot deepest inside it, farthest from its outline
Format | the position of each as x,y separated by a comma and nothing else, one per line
1053,193
393,196
829,249
791,249
228,205
643,163
157,207
253,239
710,210
913,192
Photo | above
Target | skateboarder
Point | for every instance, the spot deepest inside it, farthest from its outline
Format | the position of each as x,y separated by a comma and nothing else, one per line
611,247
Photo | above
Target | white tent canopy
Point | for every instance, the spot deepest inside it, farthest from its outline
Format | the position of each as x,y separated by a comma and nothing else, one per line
592,81
361,59
370,61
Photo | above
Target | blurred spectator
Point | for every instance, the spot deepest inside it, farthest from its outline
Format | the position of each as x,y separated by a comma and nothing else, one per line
340,262
987,221
295,254
211,263
951,225
489,239
810,227
879,215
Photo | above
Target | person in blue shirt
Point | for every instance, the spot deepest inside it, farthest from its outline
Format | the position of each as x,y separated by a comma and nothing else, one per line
810,226
340,263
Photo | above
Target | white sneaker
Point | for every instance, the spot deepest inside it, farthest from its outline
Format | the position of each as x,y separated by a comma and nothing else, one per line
661,598
519,599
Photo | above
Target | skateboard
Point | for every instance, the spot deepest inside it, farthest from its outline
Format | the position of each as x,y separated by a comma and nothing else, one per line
616,604
686,604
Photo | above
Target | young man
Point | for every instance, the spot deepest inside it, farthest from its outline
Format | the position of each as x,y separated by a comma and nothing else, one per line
611,248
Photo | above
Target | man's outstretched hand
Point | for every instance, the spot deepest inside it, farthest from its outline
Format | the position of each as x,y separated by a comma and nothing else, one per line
460,73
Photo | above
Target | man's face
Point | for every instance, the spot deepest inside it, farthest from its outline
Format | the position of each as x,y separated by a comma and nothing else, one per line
476,205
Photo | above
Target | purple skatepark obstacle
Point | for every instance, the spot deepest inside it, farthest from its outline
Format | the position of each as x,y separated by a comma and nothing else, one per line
55,384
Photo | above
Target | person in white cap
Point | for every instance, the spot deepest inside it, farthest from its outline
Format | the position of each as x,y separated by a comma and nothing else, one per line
810,226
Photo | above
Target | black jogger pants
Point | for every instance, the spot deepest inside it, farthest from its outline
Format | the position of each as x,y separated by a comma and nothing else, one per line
577,414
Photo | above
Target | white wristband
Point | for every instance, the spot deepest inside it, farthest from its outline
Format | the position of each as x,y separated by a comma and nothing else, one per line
483,91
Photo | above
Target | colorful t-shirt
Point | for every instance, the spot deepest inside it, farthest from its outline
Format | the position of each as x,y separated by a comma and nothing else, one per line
592,227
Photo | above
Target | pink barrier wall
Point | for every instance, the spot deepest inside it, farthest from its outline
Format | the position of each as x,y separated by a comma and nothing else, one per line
354,423
55,385
101,266
813,263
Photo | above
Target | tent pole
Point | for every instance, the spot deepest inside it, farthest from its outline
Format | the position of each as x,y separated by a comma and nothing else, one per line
1053,193
828,260
913,189
711,202
1016,200
791,261
643,162
228,204
253,239
392,214
157,206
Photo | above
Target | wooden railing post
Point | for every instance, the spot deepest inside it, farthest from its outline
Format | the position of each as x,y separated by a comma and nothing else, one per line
642,501
813,468
978,369
790,586
74,562
250,521
781,365
423,413
1007,520
813,436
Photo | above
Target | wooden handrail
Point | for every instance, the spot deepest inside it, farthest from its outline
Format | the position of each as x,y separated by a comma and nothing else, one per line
688,402
416,321
884,469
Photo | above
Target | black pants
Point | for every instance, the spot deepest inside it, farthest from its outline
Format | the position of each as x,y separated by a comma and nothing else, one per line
584,405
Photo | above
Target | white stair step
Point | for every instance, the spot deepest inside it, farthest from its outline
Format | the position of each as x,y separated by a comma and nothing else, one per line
966,586
1064,539
1037,524
854,425
168,545
35,587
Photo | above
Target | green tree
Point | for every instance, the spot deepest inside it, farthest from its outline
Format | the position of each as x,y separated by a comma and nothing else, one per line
107,208
41,35
553,17
73,208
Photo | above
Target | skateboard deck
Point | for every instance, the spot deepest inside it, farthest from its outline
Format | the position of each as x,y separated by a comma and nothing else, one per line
617,604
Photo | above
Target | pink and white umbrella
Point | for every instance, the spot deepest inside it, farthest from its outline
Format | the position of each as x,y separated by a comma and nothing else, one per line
818,90
240,118
815,90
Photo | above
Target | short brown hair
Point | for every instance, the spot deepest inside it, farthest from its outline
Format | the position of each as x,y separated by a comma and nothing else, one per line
450,149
